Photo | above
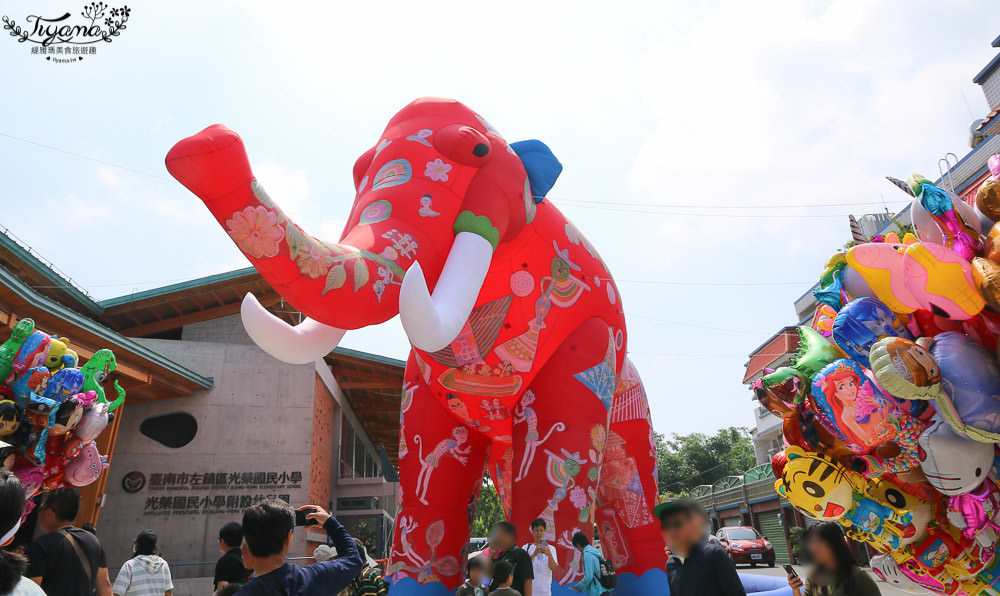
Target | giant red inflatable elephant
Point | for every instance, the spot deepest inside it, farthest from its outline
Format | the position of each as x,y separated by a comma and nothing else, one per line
518,363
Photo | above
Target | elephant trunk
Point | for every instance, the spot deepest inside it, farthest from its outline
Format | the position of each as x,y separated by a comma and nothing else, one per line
344,285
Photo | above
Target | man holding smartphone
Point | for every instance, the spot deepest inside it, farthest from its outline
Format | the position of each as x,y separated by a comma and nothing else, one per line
267,536
543,559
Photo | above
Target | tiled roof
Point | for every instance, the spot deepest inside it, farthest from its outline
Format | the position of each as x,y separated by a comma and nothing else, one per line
989,125
781,344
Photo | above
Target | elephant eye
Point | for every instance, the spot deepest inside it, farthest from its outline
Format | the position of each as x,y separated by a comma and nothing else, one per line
480,150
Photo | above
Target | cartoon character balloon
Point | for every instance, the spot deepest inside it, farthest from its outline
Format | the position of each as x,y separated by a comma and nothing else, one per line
953,463
971,382
905,369
861,323
816,484
942,218
897,442
86,466
853,406
941,281
887,570
47,425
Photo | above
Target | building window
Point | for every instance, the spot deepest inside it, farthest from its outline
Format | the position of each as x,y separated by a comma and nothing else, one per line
356,459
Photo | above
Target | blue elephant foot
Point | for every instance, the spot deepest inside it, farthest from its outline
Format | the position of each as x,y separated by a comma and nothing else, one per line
765,585
411,587
653,582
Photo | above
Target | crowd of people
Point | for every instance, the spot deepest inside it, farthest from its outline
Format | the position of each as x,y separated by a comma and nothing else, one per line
506,569
68,561
65,560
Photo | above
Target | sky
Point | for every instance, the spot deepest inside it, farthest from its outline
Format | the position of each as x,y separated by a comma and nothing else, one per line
703,142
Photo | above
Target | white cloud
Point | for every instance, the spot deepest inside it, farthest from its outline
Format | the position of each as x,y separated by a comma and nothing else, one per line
109,177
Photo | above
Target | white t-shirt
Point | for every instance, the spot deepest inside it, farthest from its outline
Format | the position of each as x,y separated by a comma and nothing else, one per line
542,584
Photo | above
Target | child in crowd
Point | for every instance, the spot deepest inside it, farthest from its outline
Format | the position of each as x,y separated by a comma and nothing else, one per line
474,585
503,576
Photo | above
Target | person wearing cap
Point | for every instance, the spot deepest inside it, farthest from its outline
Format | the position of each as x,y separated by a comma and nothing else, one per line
146,573
229,568
696,567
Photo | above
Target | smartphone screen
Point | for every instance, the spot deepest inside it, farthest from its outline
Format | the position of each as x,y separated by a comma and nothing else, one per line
301,520
790,570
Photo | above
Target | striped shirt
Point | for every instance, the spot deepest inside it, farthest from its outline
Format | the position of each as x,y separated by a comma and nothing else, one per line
145,575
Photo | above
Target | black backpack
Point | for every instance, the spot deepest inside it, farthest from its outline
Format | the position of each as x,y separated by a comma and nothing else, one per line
606,574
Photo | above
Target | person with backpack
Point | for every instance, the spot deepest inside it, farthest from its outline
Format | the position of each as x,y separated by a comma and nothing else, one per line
370,581
591,584
66,560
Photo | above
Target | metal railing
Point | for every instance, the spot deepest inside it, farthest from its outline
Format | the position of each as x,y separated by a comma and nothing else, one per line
382,563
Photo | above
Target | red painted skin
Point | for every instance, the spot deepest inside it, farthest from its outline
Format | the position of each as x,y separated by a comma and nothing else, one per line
548,310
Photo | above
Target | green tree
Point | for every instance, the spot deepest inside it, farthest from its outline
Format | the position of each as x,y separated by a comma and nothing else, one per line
685,461
488,511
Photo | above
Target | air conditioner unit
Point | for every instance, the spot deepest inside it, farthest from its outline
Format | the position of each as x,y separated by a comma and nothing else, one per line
357,503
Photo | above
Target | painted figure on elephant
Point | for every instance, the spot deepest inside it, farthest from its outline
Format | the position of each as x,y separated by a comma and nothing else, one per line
519,341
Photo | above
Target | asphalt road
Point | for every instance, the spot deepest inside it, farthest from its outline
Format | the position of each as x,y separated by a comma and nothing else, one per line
886,589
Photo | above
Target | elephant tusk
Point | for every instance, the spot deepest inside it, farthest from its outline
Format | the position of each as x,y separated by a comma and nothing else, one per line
434,321
306,342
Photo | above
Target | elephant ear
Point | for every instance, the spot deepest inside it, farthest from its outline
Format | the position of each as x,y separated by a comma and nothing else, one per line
541,164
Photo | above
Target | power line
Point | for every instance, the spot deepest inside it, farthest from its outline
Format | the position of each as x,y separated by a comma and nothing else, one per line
578,202
675,206
82,156
735,215
713,283
695,325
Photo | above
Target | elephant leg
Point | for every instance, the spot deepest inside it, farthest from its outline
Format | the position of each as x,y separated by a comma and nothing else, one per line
558,440
627,492
441,464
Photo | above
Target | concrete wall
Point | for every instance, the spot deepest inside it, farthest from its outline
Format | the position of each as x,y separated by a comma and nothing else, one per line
257,419
226,330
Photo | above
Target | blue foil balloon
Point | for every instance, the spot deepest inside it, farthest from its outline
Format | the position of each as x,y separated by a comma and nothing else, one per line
863,322
971,383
